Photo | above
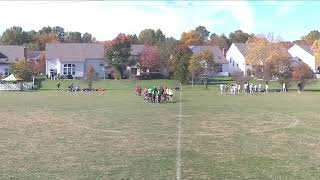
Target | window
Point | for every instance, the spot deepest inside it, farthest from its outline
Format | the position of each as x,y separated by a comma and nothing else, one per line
6,72
233,64
237,65
220,67
102,65
69,69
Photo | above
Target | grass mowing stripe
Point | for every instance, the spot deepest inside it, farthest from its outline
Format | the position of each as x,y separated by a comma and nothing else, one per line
178,163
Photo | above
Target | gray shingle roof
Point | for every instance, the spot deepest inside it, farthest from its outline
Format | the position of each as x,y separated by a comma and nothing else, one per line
33,54
2,56
242,47
307,48
13,53
136,49
74,51
218,55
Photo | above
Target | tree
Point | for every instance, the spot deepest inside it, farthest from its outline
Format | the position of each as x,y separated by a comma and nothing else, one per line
166,49
316,52
222,41
150,58
160,36
191,38
200,64
311,37
59,31
302,73
117,52
270,57
239,37
134,39
90,76
203,32
87,38
148,36
23,69
73,37
180,62
15,36
44,38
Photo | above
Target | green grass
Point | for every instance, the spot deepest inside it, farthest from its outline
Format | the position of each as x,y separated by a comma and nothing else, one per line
115,135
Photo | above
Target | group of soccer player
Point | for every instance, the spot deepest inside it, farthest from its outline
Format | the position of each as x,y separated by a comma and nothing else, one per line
155,94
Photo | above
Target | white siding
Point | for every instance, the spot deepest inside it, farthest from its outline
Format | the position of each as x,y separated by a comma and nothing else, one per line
51,64
96,64
236,60
79,68
298,53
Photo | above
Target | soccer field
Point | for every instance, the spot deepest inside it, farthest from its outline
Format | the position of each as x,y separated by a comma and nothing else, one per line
115,135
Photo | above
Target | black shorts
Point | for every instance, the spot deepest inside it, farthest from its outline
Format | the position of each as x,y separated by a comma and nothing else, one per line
149,94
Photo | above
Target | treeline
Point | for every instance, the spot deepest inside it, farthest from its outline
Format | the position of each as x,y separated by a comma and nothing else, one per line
36,40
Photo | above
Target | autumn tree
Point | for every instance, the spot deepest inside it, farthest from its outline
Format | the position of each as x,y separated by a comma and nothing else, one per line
38,65
302,73
22,69
134,39
316,52
180,62
203,32
150,36
221,41
270,57
90,76
44,38
311,37
166,49
200,64
149,58
117,52
191,38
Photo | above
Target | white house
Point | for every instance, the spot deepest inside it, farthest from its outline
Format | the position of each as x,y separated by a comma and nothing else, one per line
218,57
10,54
72,60
236,58
303,53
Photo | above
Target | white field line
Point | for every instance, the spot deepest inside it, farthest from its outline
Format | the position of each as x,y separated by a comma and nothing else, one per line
178,159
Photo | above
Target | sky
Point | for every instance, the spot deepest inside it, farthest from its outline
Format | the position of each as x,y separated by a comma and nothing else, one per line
105,19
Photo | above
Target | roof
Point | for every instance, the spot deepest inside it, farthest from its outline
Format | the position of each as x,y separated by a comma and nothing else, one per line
242,47
2,56
13,53
218,55
33,54
136,49
74,51
307,48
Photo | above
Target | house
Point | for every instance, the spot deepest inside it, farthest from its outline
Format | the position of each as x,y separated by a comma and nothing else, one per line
72,60
303,53
236,58
10,54
134,66
218,57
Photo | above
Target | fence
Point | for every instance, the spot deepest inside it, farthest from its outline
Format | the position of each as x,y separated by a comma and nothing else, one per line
17,87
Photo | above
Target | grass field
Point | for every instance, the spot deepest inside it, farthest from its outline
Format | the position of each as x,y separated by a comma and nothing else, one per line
115,135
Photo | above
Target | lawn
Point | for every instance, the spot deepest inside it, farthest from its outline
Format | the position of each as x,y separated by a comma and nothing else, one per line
115,135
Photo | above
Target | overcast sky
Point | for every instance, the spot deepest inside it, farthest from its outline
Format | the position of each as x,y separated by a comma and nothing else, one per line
105,19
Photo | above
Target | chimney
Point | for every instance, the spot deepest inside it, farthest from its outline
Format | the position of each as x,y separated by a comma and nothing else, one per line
224,52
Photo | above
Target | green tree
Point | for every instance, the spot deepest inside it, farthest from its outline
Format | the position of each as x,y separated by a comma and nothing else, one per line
180,62
239,37
159,35
117,52
166,48
22,69
73,37
59,31
148,36
87,38
203,32
134,39
15,36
